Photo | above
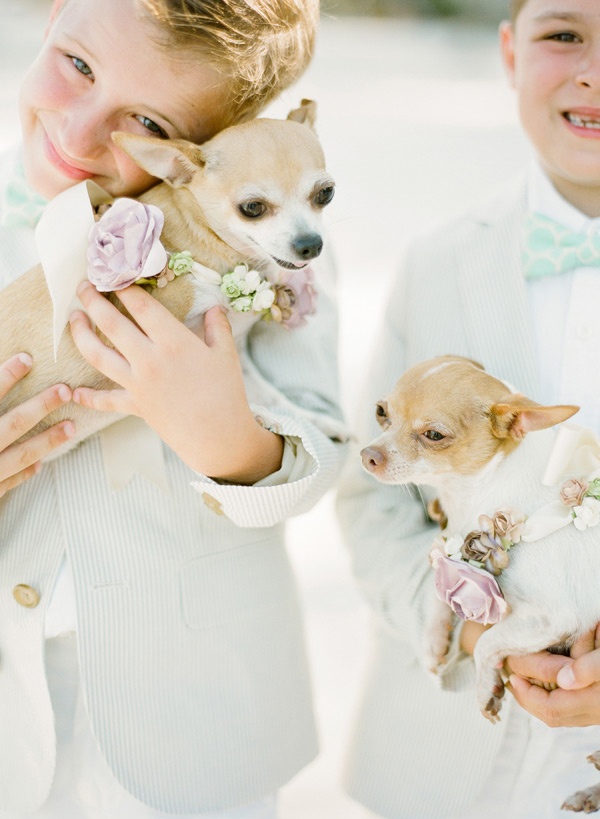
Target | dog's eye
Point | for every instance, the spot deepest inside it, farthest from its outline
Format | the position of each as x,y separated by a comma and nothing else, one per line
252,210
324,196
381,415
433,435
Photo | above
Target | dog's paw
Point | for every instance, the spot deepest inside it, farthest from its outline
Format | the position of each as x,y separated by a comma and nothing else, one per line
586,801
438,646
491,705
595,759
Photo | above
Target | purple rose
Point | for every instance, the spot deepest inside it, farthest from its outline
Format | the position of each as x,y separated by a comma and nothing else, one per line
471,593
295,299
125,245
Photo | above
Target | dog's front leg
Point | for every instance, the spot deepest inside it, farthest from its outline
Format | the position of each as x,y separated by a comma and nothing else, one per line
508,637
438,634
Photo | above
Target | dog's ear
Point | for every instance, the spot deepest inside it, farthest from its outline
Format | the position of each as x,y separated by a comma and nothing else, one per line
174,160
517,415
306,114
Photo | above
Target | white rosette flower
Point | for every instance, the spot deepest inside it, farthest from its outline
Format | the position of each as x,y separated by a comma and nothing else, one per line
587,514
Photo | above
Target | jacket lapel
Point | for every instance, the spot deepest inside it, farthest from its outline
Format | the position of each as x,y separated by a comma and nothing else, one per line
496,309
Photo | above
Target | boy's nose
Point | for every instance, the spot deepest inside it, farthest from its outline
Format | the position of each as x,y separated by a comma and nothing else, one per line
588,74
83,134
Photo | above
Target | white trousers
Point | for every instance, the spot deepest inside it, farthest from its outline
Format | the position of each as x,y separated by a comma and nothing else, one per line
84,786
536,770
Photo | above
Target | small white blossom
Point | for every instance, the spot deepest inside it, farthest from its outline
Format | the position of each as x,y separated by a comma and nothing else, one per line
586,515
242,304
452,547
263,300
253,280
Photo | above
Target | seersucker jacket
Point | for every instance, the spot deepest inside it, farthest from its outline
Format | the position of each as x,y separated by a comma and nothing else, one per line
420,749
189,628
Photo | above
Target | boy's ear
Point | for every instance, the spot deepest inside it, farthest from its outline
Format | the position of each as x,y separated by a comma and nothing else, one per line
507,50
174,160
306,114
517,415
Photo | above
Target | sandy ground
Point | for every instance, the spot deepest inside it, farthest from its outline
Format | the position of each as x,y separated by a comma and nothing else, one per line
416,121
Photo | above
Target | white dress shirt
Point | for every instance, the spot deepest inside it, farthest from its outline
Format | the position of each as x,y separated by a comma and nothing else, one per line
567,340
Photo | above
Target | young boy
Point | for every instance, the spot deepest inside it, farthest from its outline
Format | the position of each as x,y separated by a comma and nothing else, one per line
151,647
422,749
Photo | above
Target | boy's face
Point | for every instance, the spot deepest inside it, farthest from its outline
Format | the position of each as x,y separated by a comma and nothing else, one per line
552,55
100,71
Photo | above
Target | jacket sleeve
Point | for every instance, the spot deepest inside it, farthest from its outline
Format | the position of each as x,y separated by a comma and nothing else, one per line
386,528
302,365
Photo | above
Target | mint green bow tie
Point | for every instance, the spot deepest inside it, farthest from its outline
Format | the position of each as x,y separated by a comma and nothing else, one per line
20,205
550,248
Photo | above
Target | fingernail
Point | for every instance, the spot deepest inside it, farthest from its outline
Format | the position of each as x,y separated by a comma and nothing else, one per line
26,359
69,429
565,677
64,393
83,286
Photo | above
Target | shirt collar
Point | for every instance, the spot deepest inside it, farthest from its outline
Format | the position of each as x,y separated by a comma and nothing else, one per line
543,198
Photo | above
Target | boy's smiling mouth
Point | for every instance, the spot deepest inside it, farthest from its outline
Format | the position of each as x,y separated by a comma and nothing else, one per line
590,122
65,167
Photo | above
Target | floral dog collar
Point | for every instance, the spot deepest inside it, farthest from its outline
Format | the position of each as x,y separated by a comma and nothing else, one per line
125,248
465,569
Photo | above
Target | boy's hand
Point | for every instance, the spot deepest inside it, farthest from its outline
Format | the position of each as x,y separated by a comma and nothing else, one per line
189,389
577,700
19,462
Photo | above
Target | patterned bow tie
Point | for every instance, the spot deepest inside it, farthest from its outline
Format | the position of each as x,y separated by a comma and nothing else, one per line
550,248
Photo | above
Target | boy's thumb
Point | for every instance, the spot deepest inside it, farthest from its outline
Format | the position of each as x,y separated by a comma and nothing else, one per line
581,672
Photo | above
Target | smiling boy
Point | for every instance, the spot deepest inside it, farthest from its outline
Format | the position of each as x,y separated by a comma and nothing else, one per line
477,288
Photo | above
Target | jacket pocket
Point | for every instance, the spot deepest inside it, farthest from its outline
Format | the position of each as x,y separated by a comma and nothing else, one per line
236,584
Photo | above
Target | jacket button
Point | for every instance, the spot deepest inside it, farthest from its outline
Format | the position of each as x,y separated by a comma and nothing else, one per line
26,596
213,504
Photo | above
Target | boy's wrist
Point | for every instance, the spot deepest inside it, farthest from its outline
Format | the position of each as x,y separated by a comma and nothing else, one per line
258,454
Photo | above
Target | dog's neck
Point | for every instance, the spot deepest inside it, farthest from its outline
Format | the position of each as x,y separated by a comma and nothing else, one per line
513,482
186,228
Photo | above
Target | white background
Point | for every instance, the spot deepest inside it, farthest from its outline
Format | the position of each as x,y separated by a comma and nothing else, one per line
417,122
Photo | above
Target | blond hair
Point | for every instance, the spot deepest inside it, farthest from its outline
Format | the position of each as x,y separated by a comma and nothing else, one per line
260,46
515,9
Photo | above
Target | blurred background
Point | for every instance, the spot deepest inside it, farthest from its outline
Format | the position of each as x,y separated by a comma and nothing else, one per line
417,123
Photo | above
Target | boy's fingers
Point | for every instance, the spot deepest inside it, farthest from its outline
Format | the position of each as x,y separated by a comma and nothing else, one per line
104,400
541,666
581,672
105,359
21,419
20,462
217,328
13,370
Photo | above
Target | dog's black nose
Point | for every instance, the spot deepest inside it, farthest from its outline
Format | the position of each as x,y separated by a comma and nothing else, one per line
308,246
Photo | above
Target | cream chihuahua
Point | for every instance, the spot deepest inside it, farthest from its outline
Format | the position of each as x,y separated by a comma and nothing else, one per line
254,193
451,426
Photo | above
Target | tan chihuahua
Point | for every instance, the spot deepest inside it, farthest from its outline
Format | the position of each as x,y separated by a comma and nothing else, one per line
450,425
254,193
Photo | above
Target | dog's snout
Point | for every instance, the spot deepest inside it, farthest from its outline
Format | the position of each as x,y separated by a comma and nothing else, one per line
308,246
372,458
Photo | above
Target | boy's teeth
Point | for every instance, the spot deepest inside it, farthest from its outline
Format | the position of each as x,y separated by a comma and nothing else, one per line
580,122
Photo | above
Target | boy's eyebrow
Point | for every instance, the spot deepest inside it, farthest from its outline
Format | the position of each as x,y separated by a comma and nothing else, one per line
568,16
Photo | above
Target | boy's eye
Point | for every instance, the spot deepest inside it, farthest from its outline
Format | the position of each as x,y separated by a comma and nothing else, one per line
81,66
564,37
151,126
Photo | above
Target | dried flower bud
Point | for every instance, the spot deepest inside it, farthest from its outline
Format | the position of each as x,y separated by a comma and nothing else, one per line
573,491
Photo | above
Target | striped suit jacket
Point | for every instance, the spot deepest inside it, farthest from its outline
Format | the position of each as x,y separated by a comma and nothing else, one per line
190,636
420,748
